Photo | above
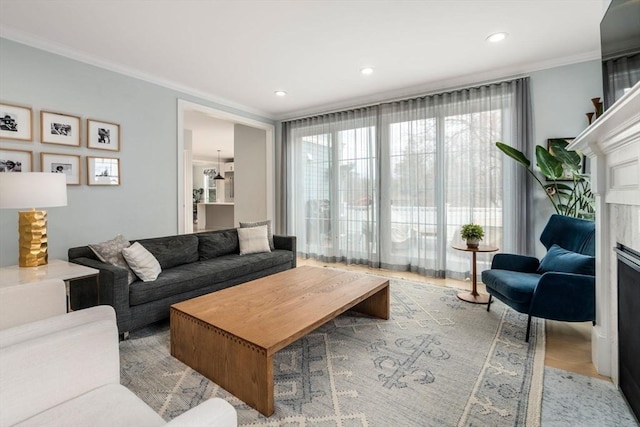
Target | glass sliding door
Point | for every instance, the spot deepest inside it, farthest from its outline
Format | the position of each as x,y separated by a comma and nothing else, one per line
335,198
391,185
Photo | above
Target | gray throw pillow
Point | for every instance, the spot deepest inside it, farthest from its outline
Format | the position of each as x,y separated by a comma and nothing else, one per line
111,253
258,224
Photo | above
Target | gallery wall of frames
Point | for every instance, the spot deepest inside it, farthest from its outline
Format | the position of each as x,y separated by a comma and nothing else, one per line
60,137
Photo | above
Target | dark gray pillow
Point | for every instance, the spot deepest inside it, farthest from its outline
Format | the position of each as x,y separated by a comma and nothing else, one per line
258,224
217,243
173,250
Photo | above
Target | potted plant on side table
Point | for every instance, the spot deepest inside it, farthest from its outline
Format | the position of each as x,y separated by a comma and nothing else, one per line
472,233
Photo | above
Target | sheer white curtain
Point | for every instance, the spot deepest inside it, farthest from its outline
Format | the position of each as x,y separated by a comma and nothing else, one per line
333,185
390,185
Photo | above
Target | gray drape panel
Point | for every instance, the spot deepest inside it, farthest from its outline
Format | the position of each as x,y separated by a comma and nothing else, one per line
390,185
522,138
282,195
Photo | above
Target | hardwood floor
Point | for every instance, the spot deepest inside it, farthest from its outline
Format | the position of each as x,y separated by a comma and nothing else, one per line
568,344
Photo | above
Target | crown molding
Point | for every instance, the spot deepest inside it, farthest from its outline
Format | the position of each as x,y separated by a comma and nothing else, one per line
440,86
61,50
389,96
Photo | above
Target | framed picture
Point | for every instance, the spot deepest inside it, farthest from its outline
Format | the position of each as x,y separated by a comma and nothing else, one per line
15,122
67,164
566,176
103,171
15,160
103,135
61,129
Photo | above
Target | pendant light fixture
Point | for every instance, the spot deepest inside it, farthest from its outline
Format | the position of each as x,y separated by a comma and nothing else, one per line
218,176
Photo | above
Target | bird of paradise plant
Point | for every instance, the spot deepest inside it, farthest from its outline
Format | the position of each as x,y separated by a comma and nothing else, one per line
574,199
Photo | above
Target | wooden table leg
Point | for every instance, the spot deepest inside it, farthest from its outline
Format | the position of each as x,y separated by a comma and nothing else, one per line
474,277
377,305
473,296
243,369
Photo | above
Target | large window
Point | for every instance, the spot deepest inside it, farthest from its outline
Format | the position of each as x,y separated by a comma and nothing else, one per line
390,185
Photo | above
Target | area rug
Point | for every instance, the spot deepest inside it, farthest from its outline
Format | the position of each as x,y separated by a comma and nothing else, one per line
438,361
572,399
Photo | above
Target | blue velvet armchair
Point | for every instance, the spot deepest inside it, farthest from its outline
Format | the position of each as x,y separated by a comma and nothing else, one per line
559,287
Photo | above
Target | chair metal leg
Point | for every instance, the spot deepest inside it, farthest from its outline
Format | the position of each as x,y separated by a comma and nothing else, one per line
489,303
528,329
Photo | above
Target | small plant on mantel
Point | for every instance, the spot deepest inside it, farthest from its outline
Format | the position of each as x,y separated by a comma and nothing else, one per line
472,233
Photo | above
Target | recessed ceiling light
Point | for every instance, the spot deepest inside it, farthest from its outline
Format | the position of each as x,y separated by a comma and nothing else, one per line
280,93
497,37
366,71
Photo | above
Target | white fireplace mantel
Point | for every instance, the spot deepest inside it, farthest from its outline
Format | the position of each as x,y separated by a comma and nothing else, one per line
612,144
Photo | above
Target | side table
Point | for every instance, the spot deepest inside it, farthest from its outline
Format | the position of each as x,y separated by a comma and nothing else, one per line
473,296
55,269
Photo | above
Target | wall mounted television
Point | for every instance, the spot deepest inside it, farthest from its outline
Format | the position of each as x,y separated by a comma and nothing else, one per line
620,45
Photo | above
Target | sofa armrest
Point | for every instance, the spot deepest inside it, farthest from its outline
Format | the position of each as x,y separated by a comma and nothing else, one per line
554,289
45,363
287,243
114,289
29,302
214,412
513,262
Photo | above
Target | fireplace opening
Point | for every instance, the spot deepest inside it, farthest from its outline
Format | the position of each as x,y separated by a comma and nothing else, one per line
629,325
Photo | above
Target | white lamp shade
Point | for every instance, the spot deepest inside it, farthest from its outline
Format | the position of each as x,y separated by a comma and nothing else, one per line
26,190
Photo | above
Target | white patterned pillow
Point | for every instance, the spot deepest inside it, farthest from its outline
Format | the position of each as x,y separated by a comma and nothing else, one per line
111,253
142,262
258,224
253,240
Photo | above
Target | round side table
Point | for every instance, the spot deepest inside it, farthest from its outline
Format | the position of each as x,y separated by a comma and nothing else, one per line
473,296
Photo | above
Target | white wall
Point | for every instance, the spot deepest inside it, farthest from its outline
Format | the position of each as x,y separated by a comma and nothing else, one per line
145,205
561,97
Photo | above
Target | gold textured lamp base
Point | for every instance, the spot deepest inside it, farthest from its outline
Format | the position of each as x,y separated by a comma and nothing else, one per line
32,230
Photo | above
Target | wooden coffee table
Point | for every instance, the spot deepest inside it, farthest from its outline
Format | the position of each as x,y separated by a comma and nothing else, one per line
230,336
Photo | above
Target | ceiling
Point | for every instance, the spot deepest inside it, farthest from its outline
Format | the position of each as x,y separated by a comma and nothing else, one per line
239,52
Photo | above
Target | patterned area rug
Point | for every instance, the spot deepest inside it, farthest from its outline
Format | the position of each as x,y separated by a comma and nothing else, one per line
438,361
571,399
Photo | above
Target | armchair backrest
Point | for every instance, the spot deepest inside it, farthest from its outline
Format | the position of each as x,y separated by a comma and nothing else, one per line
28,302
574,234
51,361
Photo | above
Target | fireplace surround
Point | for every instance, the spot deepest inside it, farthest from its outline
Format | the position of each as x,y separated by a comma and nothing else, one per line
612,144
628,325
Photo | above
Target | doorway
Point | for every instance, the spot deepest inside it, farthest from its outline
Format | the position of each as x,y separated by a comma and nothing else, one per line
185,165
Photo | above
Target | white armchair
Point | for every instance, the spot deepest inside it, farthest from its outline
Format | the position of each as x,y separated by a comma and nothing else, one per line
65,371
31,301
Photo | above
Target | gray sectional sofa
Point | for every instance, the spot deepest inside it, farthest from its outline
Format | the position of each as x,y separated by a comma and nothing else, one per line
192,265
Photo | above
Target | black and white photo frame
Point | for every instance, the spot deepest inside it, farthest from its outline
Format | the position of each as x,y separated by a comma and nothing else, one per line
16,122
15,160
68,164
59,128
103,135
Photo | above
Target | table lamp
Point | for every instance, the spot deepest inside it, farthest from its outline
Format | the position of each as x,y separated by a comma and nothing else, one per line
23,190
